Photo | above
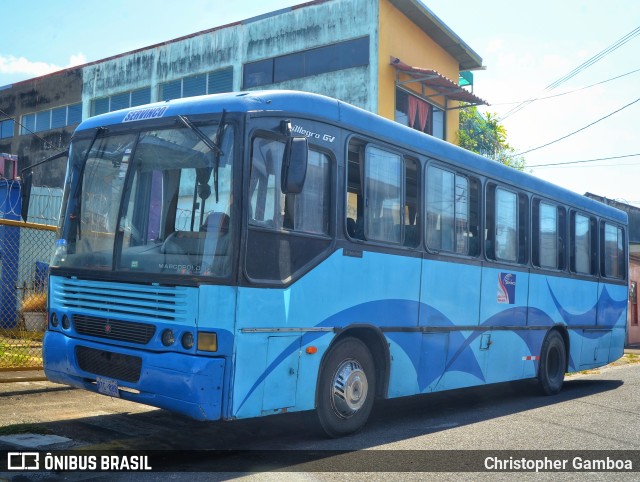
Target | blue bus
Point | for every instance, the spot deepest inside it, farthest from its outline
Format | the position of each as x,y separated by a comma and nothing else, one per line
246,254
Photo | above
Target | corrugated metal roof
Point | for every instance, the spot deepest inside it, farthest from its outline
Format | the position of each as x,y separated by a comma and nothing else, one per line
438,82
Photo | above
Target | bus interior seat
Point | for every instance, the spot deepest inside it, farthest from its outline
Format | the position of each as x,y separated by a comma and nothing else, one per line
351,227
216,221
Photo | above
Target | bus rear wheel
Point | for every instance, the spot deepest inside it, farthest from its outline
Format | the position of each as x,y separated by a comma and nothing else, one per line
346,388
553,361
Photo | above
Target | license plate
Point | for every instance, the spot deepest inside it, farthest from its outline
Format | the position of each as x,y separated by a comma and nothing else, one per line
106,386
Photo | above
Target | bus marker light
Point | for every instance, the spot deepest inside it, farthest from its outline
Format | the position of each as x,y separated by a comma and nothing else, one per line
311,350
187,340
167,338
207,341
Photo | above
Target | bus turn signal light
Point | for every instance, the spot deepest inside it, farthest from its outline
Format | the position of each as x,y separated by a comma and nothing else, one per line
207,341
311,350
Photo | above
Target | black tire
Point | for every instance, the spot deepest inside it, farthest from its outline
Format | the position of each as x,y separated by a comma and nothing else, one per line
553,363
346,388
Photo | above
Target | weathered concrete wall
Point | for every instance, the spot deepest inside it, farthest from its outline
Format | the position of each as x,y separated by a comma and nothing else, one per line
42,93
314,26
291,31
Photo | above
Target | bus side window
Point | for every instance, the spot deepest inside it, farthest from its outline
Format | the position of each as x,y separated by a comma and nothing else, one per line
411,203
506,225
383,195
584,252
452,212
548,228
286,231
613,251
266,198
355,197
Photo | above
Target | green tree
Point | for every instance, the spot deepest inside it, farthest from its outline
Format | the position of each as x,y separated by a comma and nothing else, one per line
485,135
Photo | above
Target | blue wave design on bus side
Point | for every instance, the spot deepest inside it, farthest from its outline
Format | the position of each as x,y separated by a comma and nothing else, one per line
605,301
390,313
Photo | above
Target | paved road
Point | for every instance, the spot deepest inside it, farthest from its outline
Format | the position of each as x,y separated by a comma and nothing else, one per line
598,411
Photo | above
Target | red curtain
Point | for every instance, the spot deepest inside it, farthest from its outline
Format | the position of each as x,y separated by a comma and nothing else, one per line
413,108
423,113
420,107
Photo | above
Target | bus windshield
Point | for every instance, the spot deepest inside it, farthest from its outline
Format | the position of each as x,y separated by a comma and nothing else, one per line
150,201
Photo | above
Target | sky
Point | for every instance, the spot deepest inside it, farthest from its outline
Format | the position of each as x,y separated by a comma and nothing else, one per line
525,47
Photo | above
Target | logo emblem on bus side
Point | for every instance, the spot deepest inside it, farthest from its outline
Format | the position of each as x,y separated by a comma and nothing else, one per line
507,288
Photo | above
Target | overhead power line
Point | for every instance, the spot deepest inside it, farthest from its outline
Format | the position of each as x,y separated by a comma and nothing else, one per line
567,163
619,43
570,91
579,130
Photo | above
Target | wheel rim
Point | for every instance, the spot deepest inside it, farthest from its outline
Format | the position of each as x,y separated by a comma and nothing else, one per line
349,389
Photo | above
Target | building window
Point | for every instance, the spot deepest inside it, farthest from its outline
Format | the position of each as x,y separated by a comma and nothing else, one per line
330,58
6,128
418,114
201,84
57,118
119,101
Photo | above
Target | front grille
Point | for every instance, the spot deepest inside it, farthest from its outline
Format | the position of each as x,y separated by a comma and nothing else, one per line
107,364
124,301
129,331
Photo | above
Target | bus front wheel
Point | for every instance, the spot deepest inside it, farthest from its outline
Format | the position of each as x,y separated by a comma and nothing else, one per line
346,388
553,361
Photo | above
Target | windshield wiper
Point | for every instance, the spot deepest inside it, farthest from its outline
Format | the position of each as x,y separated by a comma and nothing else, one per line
216,147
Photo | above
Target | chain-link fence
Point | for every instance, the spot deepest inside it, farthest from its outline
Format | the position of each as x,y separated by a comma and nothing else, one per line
25,249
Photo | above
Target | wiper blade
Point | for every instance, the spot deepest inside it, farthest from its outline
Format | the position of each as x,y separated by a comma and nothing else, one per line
216,147
203,137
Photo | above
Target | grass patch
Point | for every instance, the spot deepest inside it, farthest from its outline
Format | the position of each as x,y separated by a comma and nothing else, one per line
24,428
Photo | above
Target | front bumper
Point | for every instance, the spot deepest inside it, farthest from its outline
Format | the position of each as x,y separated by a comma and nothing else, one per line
186,384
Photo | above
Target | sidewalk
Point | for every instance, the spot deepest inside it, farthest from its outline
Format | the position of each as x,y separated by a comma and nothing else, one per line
632,349
12,376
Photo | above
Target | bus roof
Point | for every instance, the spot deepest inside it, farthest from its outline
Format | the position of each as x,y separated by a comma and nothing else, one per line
343,114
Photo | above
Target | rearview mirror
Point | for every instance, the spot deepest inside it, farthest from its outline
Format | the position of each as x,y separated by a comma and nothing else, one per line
294,165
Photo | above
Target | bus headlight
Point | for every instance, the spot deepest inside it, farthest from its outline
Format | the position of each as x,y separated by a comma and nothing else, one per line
207,341
66,322
168,338
54,320
187,340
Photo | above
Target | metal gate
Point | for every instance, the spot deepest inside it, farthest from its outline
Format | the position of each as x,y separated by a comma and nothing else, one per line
25,249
